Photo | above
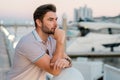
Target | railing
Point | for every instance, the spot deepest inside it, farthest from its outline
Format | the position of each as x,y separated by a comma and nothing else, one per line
9,44
90,70
111,73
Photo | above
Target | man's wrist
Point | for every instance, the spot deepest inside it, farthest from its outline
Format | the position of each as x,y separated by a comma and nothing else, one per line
69,60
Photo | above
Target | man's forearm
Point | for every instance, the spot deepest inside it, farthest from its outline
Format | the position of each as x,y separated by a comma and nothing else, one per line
59,36
59,52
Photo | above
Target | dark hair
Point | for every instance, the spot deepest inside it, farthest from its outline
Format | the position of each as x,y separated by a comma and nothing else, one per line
42,10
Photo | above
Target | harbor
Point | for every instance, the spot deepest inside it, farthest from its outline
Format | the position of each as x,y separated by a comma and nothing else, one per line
94,61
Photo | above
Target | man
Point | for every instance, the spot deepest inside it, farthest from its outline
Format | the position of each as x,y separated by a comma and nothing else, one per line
42,50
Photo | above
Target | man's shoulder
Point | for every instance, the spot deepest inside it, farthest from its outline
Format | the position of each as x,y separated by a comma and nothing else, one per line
26,39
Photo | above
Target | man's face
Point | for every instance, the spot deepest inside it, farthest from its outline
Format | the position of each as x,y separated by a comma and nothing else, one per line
49,23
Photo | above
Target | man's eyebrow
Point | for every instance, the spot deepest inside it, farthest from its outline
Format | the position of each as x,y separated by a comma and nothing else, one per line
50,18
53,18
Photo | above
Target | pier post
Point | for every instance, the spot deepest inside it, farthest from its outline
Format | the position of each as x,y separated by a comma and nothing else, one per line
64,24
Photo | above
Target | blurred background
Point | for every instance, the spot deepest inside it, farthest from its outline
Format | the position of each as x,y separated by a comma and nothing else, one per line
92,33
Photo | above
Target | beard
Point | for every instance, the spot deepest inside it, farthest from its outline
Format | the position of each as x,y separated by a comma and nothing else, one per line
46,30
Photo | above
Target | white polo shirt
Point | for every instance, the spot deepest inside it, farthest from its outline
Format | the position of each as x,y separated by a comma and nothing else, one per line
29,49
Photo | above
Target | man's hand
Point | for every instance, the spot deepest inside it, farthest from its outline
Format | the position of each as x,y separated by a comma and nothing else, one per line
60,64
59,35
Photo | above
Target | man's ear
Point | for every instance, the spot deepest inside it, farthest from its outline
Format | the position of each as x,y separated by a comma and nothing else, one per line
38,22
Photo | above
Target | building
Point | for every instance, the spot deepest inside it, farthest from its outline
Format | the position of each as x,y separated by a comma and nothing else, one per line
83,14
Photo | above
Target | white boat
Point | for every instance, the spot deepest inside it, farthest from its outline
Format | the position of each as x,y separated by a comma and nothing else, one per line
95,37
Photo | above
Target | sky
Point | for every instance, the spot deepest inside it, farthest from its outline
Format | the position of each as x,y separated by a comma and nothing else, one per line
23,9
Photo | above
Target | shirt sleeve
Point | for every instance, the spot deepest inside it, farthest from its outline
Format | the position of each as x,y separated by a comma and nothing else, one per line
32,51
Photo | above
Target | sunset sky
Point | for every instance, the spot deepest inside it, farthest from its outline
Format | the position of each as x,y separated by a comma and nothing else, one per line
23,9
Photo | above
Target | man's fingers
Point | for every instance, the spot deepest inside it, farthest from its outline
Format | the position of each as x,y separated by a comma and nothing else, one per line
60,64
51,64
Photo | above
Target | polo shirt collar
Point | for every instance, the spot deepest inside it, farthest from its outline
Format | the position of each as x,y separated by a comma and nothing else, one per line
37,37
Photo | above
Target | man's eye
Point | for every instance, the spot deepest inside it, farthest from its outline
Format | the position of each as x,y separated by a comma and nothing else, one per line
50,19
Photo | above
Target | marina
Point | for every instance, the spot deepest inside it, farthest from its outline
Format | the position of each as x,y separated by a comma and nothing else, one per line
80,59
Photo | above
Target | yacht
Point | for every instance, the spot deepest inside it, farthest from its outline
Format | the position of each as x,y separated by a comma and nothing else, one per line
95,37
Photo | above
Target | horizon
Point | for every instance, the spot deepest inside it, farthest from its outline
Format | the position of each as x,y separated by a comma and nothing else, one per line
29,21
